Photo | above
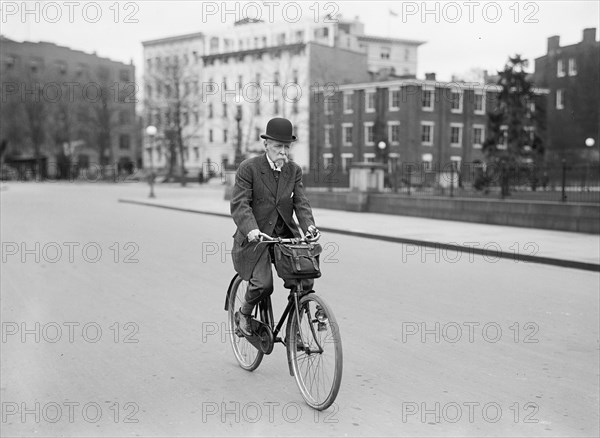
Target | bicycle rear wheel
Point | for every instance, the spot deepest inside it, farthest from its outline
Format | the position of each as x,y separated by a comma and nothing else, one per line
246,354
314,348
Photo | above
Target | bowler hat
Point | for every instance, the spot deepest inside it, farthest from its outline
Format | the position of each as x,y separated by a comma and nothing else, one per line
279,129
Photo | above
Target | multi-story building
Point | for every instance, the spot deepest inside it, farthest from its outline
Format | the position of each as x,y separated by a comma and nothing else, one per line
172,99
63,102
572,76
422,123
254,71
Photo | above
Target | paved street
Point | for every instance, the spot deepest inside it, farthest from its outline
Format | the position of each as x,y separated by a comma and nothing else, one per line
113,325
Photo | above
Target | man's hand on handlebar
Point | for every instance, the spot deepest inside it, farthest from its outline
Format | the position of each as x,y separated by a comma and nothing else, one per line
312,231
254,236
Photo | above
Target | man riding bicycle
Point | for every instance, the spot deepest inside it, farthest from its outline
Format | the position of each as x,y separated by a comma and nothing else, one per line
268,190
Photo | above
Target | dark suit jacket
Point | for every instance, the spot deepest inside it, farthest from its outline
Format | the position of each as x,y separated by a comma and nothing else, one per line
256,201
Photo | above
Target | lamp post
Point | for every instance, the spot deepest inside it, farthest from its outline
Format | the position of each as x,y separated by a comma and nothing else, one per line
382,145
238,145
589,142
151,132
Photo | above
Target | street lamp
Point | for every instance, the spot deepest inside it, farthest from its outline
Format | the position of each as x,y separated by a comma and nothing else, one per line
589,142
382,145
151,132
238,145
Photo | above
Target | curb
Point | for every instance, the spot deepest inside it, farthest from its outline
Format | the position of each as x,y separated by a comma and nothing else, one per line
437,245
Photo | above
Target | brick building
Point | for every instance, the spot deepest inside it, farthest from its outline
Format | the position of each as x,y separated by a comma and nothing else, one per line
83,104
424,123
572,76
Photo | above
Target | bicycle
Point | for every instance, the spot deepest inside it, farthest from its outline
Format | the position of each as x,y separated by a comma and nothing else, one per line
312,337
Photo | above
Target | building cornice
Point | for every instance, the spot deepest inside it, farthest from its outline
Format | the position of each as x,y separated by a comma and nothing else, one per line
189,36
378,39
273,49
424,83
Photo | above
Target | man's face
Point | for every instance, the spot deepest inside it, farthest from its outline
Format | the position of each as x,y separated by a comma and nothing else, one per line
278,151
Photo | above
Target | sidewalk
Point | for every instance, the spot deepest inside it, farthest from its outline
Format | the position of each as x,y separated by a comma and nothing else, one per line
558,248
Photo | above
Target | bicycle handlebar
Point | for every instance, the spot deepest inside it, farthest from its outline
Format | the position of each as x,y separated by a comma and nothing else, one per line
265,238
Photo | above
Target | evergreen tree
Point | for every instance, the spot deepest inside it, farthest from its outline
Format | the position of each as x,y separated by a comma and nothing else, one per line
513,140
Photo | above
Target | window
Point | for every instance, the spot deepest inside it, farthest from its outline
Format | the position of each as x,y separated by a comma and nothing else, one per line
210,110
214,45
369,135
427,159
327,160
224,135
327,106
406,54
256,134
370,101
149,64
281,39
385,53
346,161
478,136
210,135
196,116
456,102
348,102
196,153
394,99
224,109
394,132
276,78
572,67
560,68
347,134
427,99
456,134
327,133
124,141
295,106
257,108
276,106
299,36
560,99
61,67
149,91
427,133
479,103
369,157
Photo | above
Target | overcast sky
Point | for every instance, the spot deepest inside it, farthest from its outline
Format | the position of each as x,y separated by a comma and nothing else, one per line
459,35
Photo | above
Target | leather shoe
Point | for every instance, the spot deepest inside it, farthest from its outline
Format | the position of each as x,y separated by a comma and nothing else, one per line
244,323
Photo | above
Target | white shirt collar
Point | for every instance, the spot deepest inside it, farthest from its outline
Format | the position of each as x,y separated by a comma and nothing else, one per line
272,164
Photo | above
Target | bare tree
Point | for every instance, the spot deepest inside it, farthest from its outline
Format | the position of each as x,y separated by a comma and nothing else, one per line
172,89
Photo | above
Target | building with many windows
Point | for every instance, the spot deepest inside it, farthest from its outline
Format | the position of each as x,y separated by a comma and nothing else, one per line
572,76
423,123
66,104
253,71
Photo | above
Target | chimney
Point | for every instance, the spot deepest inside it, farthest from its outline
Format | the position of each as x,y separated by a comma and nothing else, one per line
589,35
430,76
553,43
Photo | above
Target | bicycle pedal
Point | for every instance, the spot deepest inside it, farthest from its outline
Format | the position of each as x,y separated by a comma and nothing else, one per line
321,326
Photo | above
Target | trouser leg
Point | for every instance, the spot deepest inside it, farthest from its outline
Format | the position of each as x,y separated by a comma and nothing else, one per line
260,284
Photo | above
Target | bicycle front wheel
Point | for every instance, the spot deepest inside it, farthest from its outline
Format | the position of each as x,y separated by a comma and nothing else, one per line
315,350
246,354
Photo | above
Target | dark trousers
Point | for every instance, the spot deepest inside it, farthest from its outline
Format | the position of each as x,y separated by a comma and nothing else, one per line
261,282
